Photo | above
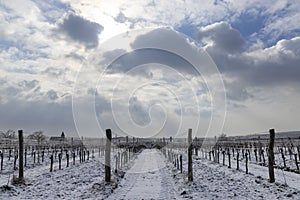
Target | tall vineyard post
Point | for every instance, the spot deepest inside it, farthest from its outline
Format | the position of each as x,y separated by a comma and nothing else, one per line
271,156
107,155
190,156
21,152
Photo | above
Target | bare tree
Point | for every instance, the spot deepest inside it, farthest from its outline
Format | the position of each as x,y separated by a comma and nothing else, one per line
9,134
39,137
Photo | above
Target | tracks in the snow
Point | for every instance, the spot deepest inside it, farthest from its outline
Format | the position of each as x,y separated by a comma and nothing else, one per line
148,178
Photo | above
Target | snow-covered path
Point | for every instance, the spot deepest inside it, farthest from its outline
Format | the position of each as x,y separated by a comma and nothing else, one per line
148,178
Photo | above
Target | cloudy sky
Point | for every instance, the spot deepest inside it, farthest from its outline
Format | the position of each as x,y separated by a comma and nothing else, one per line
149,68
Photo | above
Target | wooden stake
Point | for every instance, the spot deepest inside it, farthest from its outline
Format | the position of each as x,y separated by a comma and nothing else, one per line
246,154
21,154
271,156
107,155
190,154
51,163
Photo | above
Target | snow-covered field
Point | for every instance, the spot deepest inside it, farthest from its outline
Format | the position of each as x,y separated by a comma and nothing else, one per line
147,179
150,176
215,181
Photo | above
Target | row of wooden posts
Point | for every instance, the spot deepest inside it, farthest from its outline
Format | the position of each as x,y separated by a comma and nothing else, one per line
178,158
81,155
121,158
108,156
246,154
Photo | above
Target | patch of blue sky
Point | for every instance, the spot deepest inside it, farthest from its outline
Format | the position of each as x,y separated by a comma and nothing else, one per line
22,53
252,26
52,5
189,30
249,23
28,54
4,44
22,71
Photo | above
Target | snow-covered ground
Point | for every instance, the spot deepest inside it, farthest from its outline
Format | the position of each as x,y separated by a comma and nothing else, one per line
80,181
215,181
150,176
147,179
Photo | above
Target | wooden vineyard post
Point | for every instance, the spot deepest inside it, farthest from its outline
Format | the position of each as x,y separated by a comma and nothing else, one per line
38,155
298,150
25,157
107,155
180,158
51,163
177,162
223,154
9,154
271,156
237,161
80,158
283,158
171,151
229,161
1,156
67,155
21,154
255,153
190,156
246,154
43,154
119,157
59,160
15,161
74,157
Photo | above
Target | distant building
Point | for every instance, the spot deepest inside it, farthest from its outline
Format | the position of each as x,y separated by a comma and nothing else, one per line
57,139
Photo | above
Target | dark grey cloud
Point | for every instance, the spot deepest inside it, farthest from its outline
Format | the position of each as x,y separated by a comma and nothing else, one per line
51,116
121,18
81,30
223,37
237,92
52,95
37,115
139,56
11,91
246,69
28,84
